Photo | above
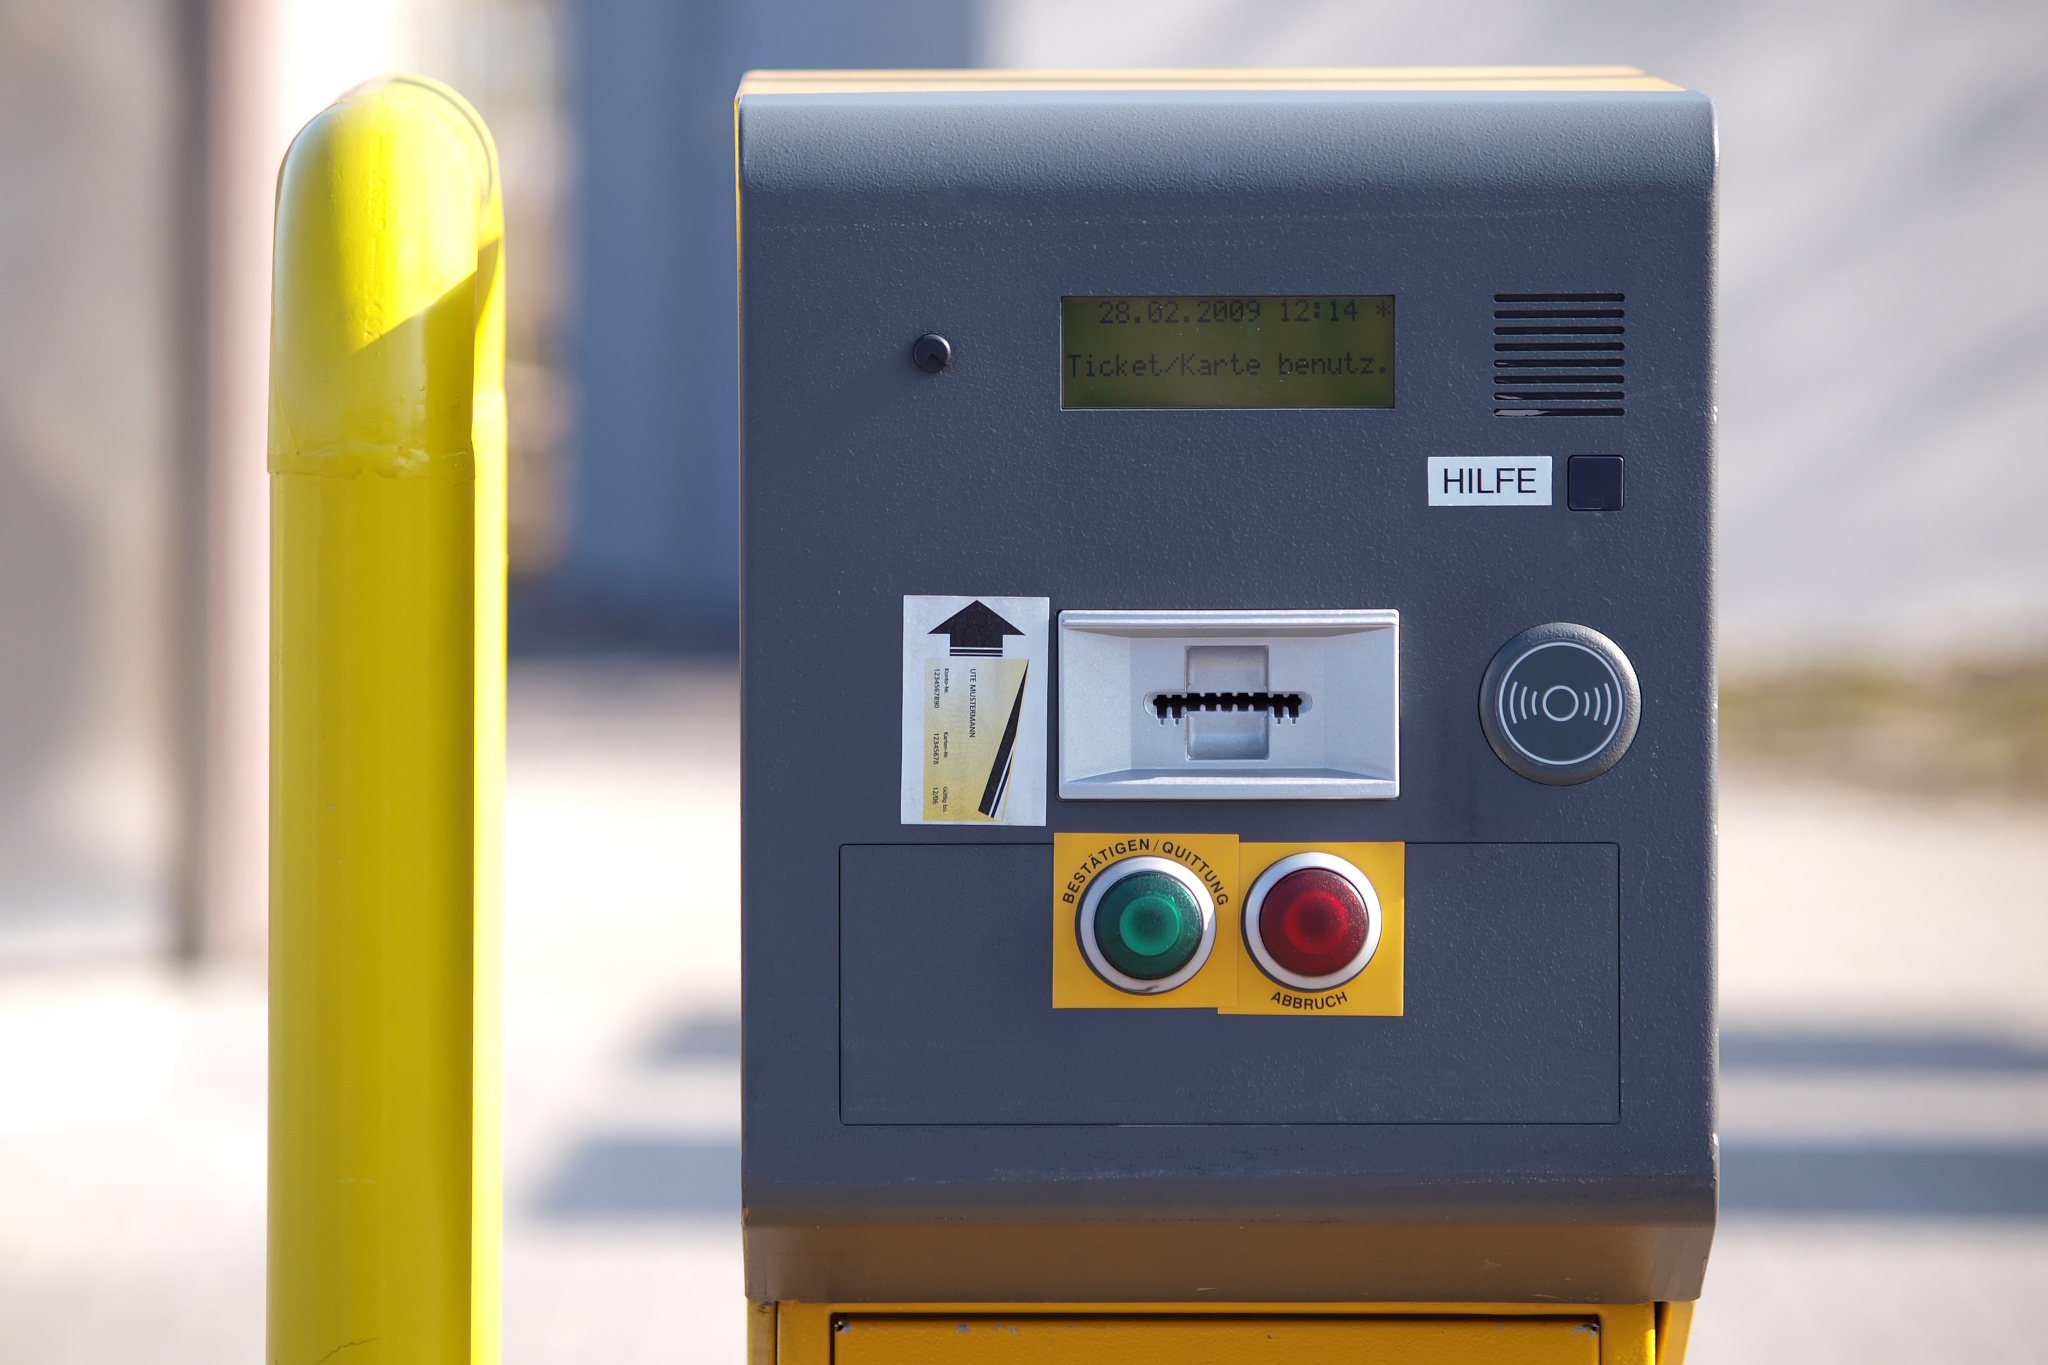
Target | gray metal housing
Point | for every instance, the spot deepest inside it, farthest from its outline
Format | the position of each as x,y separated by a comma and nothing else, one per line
920,1125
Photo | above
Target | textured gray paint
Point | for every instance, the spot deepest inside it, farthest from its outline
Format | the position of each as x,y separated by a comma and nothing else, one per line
867,221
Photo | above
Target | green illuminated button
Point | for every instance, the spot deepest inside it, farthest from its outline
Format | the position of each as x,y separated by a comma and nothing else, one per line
1148,925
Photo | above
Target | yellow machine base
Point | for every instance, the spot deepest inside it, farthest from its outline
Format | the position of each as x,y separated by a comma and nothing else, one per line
1217,1334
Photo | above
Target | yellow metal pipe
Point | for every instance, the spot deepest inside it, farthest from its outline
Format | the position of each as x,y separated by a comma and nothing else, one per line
387,467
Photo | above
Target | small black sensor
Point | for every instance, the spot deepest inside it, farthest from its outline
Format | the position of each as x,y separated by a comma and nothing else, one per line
931,353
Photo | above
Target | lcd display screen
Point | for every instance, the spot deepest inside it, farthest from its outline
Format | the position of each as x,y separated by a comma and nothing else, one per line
1228,351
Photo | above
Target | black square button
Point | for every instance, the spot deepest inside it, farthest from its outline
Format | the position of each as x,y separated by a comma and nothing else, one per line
1592,483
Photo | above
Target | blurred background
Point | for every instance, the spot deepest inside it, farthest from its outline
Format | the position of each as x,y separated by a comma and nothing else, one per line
1884,597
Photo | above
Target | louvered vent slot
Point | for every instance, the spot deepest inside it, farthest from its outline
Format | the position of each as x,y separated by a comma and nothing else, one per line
1559,355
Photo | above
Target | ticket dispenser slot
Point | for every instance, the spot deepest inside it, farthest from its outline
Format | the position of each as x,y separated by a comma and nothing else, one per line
1229,705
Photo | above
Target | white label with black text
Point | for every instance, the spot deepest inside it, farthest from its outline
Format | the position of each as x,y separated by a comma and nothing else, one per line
1459,481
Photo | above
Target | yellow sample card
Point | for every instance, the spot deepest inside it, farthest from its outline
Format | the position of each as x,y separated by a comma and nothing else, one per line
970,735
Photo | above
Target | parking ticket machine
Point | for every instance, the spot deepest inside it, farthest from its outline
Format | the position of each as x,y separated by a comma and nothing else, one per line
1229,714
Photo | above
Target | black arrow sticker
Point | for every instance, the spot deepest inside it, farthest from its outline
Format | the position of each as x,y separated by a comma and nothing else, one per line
977,631
974,709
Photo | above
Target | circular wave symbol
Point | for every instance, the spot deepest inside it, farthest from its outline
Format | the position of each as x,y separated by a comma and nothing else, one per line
1560,703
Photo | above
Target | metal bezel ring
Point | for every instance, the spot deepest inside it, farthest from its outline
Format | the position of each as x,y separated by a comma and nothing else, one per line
1375,919
1084,923
1590,765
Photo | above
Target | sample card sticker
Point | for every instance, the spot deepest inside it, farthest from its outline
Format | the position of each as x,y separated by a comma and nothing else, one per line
974,705
1467,481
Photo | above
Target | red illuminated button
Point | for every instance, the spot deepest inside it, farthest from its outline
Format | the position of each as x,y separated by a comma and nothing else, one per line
1313,922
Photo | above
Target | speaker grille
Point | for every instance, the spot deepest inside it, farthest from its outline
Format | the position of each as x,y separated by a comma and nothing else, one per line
1559,355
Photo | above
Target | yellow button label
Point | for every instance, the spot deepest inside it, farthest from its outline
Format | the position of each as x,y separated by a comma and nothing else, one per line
1079,859
1379,986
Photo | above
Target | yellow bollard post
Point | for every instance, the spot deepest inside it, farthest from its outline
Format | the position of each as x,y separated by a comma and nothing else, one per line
387,464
